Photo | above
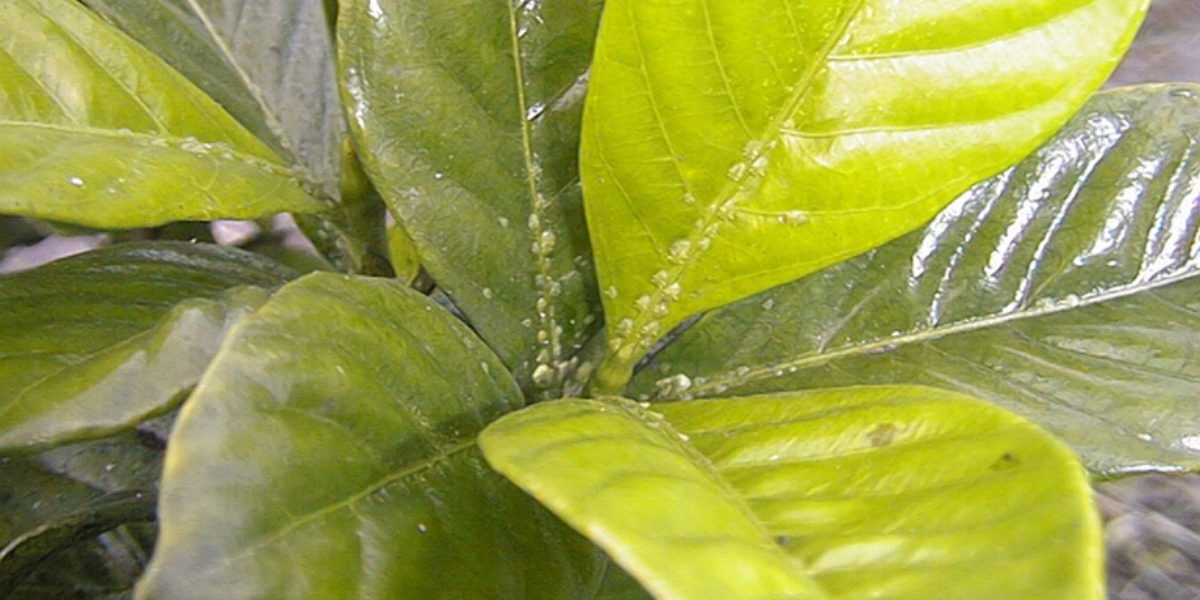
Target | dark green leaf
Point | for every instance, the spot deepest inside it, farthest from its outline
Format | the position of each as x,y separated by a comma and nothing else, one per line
96,343
102,568
893,492
96,130
618,585
468,116
732,146
21,556
329,453
1064,289
45,497
365,215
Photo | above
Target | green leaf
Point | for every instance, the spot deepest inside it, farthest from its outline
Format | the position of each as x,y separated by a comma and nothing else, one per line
116,179
268,62
467,115
44,488
618,585
366,217
271,64
96,343
1064,289
404,259
96,130
53,503
884,492
21,556
729,147
329,453
625,480
105,567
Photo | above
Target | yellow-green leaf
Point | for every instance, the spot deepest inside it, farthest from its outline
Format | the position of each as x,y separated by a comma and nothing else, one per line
96,130
871,492
729,146
1066,289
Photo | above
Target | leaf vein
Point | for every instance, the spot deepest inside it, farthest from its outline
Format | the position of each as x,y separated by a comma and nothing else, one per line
348,502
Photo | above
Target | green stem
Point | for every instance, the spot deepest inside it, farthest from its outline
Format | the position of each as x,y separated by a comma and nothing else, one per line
613,374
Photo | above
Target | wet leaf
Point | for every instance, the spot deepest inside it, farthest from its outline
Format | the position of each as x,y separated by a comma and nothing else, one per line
96,130
106,179
468,117
329,453
271,64
1064,289
729,147
872,492
268,62
95,343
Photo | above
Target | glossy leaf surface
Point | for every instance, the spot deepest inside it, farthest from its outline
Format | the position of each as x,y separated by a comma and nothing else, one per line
95,130
268,62
468,117
1064,289
729,146
95,343
271,64
875,492
329,453
107,179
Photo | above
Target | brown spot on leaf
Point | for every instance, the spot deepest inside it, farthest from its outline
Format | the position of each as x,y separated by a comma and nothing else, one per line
882,434
1008,460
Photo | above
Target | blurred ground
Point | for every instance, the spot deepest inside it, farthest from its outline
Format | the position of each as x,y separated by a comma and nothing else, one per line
1167,48
1152,522
1153,535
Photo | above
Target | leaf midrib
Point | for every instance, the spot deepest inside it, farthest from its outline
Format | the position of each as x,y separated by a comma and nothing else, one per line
731,379
545,311
729,189
69,36
277,129
389,478
237,154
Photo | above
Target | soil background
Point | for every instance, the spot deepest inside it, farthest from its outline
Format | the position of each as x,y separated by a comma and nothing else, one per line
1152,522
